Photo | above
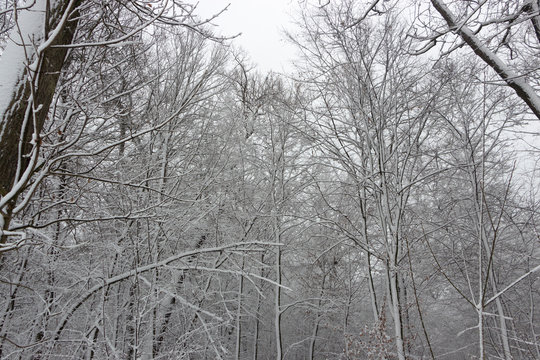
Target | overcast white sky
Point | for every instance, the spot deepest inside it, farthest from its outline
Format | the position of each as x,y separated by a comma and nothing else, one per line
261,23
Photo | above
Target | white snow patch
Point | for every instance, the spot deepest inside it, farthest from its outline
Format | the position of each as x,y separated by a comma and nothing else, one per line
18,53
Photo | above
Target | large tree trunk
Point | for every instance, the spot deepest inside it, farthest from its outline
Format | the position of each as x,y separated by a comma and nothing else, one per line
30,67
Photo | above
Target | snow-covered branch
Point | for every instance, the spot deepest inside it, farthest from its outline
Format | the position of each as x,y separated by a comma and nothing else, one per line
524,90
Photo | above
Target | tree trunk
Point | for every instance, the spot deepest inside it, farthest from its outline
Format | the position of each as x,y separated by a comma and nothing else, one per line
239,314
33,84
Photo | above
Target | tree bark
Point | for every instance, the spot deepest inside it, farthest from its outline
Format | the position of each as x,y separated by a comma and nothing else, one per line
22,119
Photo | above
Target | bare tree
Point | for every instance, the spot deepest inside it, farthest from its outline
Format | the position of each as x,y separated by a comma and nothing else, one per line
500,33
372,118
31,65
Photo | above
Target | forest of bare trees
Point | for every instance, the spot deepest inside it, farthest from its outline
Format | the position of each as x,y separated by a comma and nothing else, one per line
161,198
